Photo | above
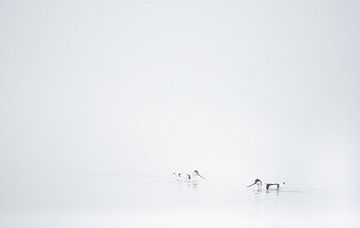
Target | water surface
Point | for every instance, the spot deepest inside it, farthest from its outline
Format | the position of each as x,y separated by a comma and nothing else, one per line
60,200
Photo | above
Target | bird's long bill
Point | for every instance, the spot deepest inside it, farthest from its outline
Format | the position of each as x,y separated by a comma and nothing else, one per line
201,176
250,185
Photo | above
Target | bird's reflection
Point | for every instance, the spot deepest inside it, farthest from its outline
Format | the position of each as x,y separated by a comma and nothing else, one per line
188,183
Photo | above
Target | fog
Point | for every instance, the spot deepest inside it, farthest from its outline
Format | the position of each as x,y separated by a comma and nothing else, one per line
235,89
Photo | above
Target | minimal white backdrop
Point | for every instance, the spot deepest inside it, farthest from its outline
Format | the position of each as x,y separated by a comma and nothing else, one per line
235,89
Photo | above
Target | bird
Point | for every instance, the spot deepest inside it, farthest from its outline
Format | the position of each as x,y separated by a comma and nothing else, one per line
268,186
190,177
258,184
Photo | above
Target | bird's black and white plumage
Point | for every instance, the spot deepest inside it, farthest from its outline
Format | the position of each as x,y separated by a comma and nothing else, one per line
258,183
268,186
185,176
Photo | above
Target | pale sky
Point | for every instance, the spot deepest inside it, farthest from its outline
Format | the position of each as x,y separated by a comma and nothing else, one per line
235,89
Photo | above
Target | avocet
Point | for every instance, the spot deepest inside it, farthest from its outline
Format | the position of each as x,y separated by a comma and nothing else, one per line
268,186
189,177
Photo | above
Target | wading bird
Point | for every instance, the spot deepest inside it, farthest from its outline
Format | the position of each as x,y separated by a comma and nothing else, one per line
268,186
185,176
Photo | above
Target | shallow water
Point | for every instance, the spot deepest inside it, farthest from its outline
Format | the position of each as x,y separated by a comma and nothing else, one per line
59,200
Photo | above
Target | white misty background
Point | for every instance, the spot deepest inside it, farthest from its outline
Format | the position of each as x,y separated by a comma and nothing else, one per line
237,90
